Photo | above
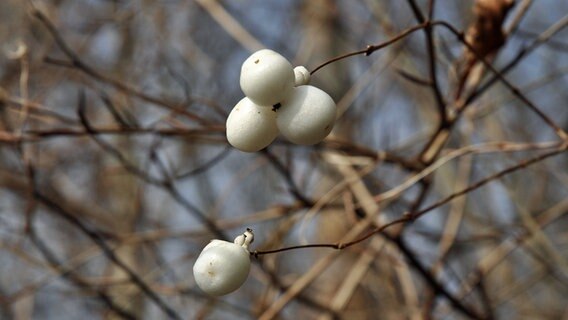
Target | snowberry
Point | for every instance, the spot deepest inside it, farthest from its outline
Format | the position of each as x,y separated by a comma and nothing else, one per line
307,116
266,77
251,127
222,267
301,76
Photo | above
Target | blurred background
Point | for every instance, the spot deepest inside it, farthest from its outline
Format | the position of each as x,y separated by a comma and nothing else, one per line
115,171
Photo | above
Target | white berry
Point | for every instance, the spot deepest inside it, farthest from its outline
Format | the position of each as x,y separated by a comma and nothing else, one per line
266,77
222,267
301,76
307,116
251,127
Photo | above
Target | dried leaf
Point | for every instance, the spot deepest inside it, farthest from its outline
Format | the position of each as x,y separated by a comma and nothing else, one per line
485,35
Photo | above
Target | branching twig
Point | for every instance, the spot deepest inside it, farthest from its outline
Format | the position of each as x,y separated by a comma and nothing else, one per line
411,216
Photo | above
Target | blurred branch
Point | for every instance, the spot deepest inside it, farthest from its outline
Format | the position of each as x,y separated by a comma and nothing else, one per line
559,131
99,241
76,62
411,216
70,275
429,278
432,63
165,184
288,178
543,38
230,25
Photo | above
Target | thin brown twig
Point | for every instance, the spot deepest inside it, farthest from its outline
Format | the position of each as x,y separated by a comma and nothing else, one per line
482,182
432,63
372,48
411,216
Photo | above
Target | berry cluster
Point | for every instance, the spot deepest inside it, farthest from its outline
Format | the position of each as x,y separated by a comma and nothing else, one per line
278,100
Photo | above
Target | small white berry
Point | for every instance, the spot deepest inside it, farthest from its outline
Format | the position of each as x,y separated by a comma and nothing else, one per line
301,76
251,127
307,116
266,77
222,267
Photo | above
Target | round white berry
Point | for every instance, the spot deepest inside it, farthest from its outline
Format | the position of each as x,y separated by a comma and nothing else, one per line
251,127
307,116
222,267
301,76
266,77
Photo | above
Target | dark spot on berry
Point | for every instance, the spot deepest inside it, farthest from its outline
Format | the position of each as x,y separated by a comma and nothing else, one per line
276,107
257,61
